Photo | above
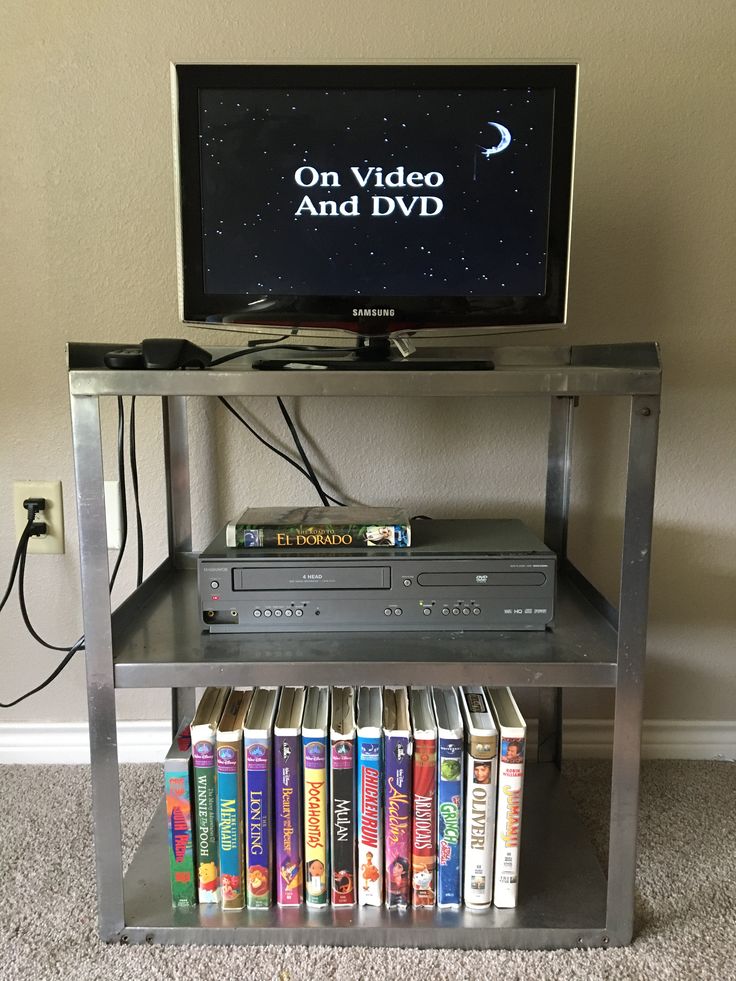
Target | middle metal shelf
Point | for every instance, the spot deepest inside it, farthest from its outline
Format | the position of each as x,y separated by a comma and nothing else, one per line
159,641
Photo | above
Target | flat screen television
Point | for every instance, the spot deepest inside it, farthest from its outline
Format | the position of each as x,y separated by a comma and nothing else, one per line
374,199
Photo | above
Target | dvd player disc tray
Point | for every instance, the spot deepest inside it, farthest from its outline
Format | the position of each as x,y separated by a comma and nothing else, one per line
458,574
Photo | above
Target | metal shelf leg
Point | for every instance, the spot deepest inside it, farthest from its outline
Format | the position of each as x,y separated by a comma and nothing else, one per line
99,662
556,514
632,630
179,513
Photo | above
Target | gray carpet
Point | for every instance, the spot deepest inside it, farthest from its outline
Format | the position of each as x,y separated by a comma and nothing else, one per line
686,892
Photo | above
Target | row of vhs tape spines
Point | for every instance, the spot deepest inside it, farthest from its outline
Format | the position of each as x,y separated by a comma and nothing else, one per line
324,810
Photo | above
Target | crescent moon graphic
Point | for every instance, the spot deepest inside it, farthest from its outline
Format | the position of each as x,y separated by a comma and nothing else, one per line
489,151
505,139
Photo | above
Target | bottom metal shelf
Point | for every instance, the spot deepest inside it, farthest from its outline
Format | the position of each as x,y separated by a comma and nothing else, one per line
562,897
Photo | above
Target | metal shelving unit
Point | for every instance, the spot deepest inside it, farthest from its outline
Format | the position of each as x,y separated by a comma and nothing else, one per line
154,639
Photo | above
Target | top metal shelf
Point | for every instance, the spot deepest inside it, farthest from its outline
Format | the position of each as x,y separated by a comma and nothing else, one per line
598,369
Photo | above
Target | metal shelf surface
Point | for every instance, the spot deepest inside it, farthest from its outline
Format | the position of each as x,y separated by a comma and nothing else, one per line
158,641
562,896
621,369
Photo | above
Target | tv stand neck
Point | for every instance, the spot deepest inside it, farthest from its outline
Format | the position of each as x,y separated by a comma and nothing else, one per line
373,348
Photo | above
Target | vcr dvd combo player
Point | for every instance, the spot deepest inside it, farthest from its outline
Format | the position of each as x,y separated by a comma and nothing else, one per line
457,575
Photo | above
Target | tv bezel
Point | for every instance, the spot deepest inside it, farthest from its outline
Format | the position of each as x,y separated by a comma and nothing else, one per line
409,314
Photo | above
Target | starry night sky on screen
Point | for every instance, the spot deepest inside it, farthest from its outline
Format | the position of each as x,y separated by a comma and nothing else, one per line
267,229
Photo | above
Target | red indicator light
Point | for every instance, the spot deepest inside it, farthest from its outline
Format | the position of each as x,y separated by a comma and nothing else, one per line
215,597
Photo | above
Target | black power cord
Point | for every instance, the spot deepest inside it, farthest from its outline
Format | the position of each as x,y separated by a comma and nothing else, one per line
31,529
273,345
305,459
22,545
136,498
44,684
123,495
24,609
274,449
69,651
34,528
251,349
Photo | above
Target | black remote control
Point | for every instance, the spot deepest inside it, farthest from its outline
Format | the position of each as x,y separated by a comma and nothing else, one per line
129,358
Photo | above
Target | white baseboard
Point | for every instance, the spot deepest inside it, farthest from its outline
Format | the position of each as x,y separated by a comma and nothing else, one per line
666,739
148,742
68,742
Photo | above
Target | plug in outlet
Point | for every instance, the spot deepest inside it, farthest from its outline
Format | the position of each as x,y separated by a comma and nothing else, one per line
52,543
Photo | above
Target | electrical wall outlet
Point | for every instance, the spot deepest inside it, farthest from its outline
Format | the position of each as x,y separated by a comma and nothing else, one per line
52,543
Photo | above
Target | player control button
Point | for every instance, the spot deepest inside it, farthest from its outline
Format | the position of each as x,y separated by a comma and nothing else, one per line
476,611
256,613
426,611
298,613
445,612
287,613
398,611
407,582
277,613
387,612
455,612
267,613
466,612
215,584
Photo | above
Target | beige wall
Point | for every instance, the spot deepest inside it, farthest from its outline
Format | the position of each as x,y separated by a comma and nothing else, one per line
88,254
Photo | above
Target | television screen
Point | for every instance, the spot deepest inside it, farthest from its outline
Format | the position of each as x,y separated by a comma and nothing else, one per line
376,198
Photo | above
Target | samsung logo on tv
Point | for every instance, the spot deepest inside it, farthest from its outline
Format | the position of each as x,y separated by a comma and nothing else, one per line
373,313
